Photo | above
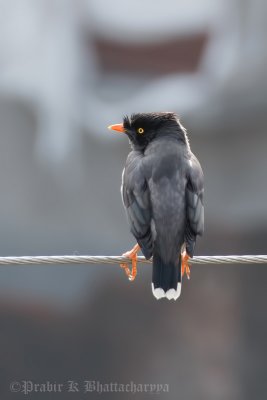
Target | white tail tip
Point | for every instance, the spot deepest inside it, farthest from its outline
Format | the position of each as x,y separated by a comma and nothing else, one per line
171,294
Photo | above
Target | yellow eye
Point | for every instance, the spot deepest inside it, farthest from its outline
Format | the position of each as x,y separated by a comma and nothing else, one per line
140,131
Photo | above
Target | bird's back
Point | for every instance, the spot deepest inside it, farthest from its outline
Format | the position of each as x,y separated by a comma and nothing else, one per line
165,170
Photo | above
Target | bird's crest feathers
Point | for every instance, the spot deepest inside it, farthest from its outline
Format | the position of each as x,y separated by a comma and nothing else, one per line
141,128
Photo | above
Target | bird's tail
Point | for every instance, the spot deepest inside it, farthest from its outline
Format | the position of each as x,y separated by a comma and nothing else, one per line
166,278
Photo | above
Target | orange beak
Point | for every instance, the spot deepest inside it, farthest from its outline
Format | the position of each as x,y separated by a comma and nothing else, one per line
117,127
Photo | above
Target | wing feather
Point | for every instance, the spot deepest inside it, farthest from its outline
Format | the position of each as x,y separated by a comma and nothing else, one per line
136,200
194,204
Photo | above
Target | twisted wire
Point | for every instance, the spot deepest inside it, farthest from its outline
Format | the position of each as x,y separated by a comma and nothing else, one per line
77,259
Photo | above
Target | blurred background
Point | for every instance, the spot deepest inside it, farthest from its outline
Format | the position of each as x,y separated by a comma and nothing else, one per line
69,68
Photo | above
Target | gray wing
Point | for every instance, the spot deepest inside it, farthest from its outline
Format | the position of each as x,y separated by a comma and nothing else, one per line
194,204
136,200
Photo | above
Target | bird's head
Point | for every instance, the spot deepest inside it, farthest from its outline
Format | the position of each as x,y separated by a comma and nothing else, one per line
142,128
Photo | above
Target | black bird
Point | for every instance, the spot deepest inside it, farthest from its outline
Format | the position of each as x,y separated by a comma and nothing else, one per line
162,192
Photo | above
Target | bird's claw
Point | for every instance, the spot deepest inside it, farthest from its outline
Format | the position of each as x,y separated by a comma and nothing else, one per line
132,255
185,269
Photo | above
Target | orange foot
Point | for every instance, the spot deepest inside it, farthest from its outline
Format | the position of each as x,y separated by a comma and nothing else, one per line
185,266
132,255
